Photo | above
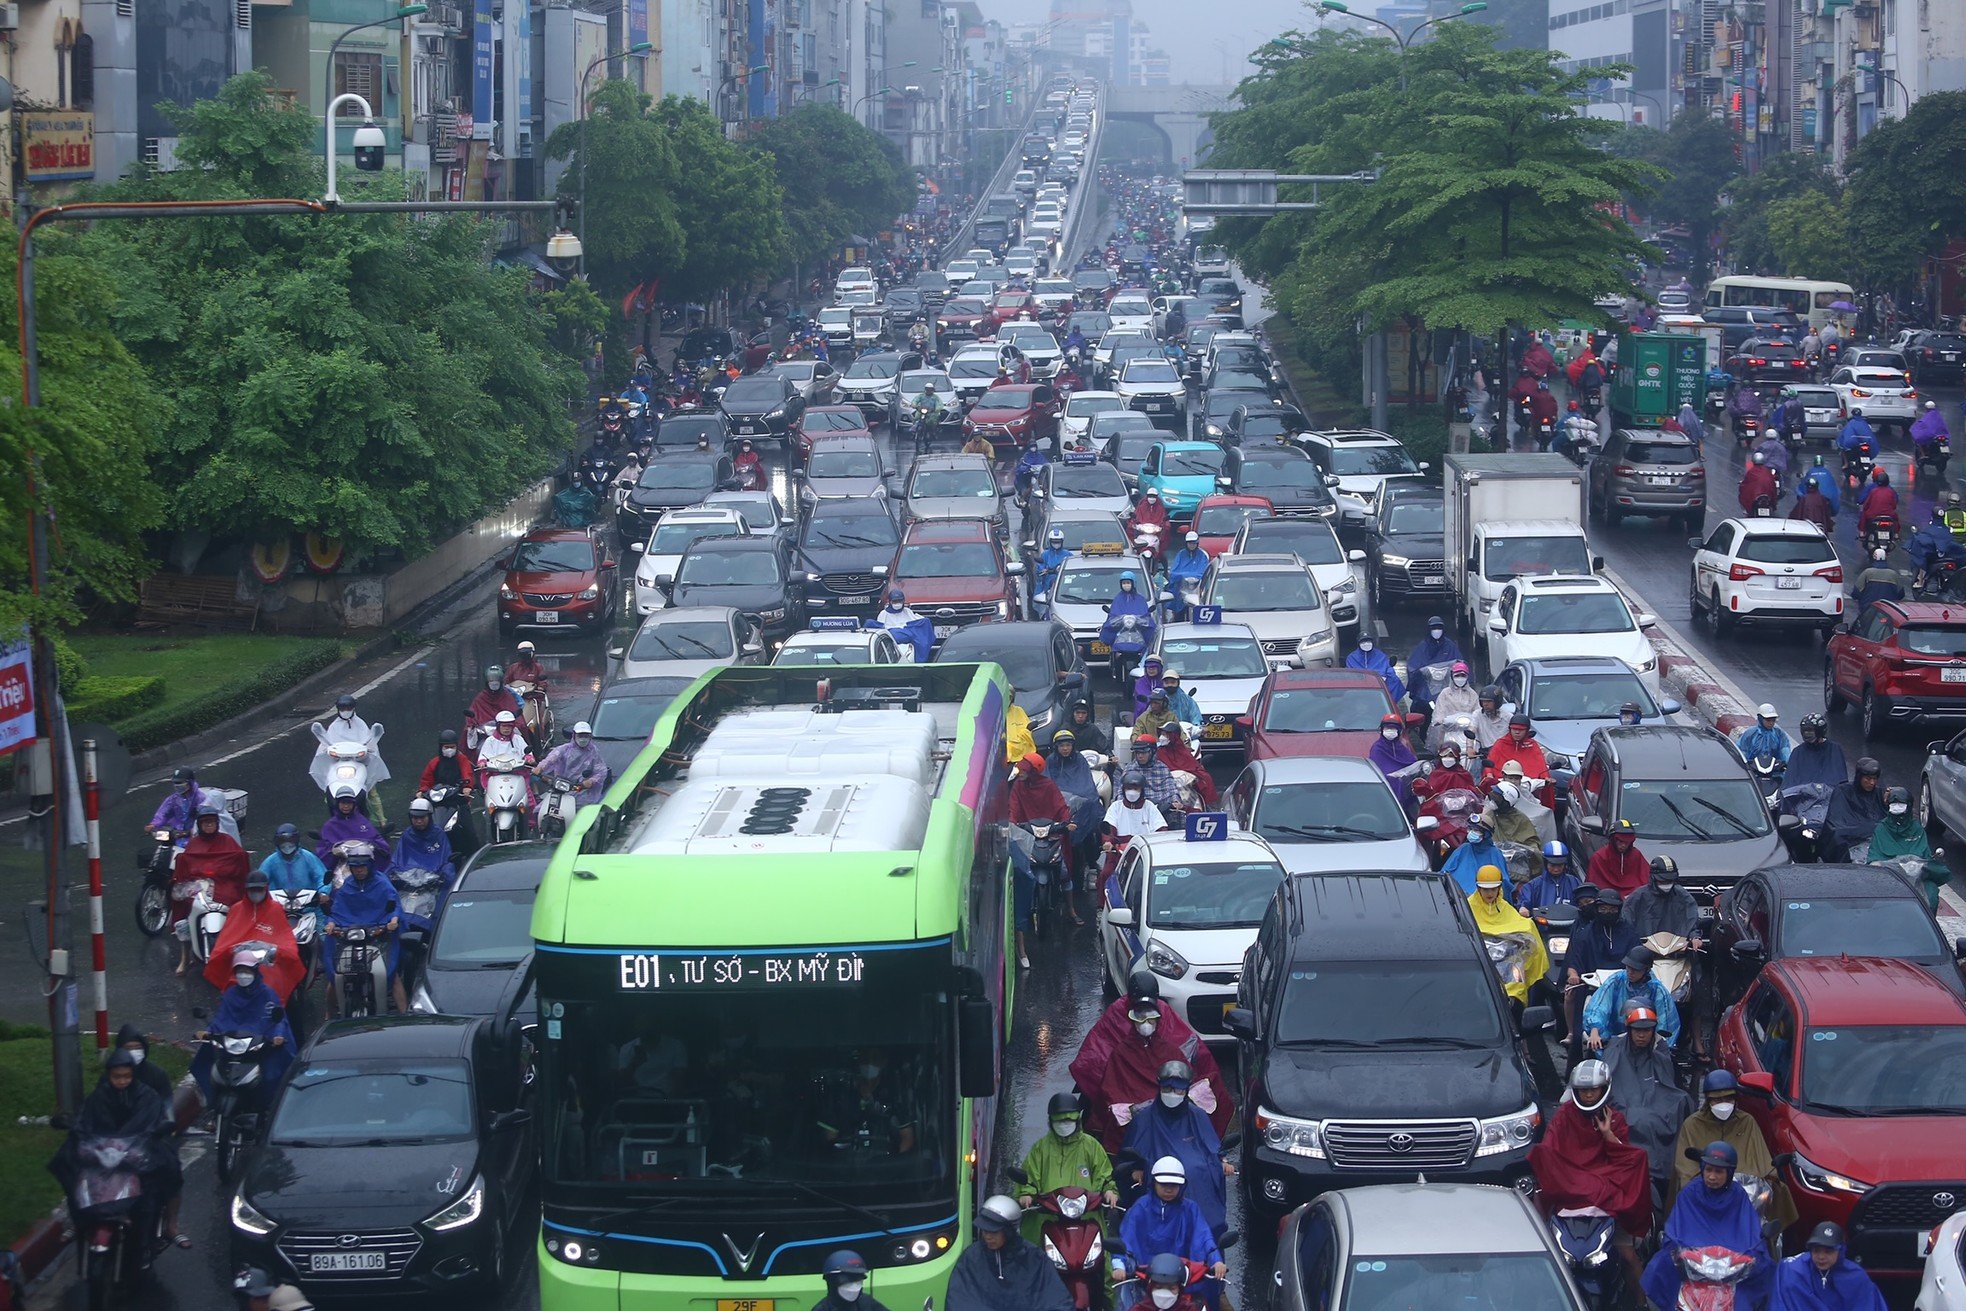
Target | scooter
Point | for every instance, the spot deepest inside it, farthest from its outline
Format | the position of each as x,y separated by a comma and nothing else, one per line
107,1210
362,970
238,1094
1768,773
1858,461
1881,533
556,808
1048,872
348,763
1129,646
1747,429
1586,1244
447,799
505,794
1073,1237
1764,507
300,906
537,710
154,893
206,919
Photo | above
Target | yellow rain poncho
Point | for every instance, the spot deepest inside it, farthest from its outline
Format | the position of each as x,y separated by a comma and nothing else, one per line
1499,919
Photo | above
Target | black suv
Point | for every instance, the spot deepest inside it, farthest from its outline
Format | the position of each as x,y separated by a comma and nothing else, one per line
1376,1042
1040,657
763,405
746,573
673,480
1767,359
1260,422
1937,356
1294,486
845,551
1406,546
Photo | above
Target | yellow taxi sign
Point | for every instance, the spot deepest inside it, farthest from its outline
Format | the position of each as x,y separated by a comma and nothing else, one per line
1103,548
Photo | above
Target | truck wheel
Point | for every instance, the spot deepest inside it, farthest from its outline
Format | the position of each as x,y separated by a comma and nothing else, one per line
1832,699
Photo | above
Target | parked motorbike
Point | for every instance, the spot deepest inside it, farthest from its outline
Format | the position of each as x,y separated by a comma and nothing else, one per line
154,893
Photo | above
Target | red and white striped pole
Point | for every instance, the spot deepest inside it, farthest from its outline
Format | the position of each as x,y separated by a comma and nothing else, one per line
98,953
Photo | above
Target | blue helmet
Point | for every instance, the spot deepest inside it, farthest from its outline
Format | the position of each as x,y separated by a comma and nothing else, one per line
1167,1269
1555,853
1719,1081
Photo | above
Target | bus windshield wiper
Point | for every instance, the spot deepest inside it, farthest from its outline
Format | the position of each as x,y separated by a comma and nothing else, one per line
830,1200
606,1218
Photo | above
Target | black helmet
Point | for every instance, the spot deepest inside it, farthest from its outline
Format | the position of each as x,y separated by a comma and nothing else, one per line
1896,796
1142,989
1490,693
1814,728
1082,704
1168,1270
1868,765
447,738
843,1265
1063,1105
344,702
256,878
182,775
1665,870
1629,713
1133,778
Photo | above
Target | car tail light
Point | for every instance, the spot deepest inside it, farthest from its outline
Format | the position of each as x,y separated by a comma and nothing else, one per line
1697,471
1740,573
1833,574
1928,353
1910,394
1757,363
1625,470
1858,391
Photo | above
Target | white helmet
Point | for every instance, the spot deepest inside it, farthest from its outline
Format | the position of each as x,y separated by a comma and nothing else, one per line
583,727
505,717
1766,710
1508,792
1169,1170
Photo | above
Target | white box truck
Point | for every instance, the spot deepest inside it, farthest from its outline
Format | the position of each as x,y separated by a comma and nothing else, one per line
1508,515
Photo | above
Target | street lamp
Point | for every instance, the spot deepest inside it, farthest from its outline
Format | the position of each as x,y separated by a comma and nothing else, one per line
1403,38
882,91
639,50
368,148
812,92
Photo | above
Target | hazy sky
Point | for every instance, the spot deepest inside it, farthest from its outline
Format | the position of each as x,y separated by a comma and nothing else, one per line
1199,35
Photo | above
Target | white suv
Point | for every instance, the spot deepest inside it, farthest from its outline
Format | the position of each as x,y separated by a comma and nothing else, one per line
1767,571
1363,460
1548,615
1279,598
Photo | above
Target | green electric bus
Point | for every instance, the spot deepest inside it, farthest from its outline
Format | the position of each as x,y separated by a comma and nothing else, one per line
773,990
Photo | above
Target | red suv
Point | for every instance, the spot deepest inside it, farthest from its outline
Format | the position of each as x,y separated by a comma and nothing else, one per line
558,578
1855,1069
1899,661
953,572
1021,413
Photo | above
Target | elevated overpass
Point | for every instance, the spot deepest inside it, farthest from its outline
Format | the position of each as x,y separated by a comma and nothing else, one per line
1178,113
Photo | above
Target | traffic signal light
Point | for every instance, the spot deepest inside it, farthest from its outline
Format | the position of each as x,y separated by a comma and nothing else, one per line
1007,95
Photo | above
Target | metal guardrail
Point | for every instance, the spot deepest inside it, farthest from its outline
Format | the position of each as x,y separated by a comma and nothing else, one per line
998,184
1084,196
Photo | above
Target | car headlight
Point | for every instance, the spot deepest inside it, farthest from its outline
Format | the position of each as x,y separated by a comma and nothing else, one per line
1651,663
1166,962
247,1219
1819,1180
1347,588
590,591
1003,609
465,1210
1396,561
505,593
772,616
1509,1133
1281,1133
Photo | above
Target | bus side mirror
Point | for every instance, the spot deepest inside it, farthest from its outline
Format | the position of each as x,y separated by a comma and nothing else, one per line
977,1045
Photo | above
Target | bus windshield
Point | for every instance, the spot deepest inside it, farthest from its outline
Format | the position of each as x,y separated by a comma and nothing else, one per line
689,1072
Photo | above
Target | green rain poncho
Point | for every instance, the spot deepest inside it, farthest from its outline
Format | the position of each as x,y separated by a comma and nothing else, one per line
1054,1162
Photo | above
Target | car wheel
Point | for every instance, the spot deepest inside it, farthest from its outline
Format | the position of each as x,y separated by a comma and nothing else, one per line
1593,509
1876,714
1934,827
1372,589
1723,621
1832,698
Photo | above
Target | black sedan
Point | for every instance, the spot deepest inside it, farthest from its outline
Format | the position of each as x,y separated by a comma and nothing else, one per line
624,716
484,930
1041,659
1786,911
763,405
397,1159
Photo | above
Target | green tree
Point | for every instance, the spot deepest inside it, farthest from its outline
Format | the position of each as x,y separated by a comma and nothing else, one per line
634,192
1695,158
1809,237
732,211
1786,176
89,437
840,178
374,378
1908,190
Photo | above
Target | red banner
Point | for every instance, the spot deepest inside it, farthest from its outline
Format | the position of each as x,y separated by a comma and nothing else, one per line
16,695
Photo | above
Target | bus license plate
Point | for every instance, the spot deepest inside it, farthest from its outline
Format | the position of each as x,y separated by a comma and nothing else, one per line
1218,732
1788,584
746,1304
547,617
1956,674
326,1263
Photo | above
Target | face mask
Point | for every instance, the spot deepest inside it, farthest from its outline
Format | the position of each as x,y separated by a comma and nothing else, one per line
1477,834
1166,1297
1126,587
1134,796
1064,1128
1172,1097
449,752
136,1054
255,895
1722,1110
1435,633
849,1292
244,978
289,848
1899,809
1450,762
1365,646
895,607
1460,680
1389,734
1145,1028
346,715
870,1072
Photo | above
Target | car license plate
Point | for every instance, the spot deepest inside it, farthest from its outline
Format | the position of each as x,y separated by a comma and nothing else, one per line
328,1263
1102,648
1218,732
1788,584
746,427
1666,481
944,630
1956,674
547,617
1950,357
1433,580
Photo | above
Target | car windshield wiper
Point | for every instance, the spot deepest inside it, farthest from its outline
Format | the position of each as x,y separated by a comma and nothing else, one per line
1680,815
1437,1040
1324,832
1862,1112
1359,1044
692,641
1727,815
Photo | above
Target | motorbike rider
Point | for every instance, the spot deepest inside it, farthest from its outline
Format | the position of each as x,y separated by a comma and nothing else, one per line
366,900
1855,434
845,1273
1025,474
1557,883
1001,1271
1466,861
1436,648
1069,768
1394,758
1645,1086
425,846
450,768
131,1039
1692,425
1585,1162
1086,728
1758,483
1931,543
1165,1219
1158,715
1712,1211
1815,505
1785,426
1171,749
484,708
1148,513
1035,799
1955,514
1169,1125
180,805
1600,941
578,760
250,1005
1456,700
1494,917
1128,601
525,668
1050,561
1817,475
1149,678
1179,702
1855,810
1878,582
1766,737
1816,759
1490,724
1716,1121
1929,429
1064,1158
1605,1014
1618,864
213,855
978,444
1130,816
290,867
1444,773
121,1107
1820,1278
1578,432
1118,1064
1664,906
1542,410
1188,562
1075,340
257,922
1520,745
348,824
1367,655
1901,834
1158,776
347,726
1743,403
1880,501
911,630
749,467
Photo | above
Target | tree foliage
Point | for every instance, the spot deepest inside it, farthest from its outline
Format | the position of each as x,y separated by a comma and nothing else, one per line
732,211
374,378
840,178
1695,158
633,193
1803,179
1908,189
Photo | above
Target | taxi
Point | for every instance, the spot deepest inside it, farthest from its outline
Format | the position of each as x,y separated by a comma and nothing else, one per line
1222,667
840,640
1187,904
1086,584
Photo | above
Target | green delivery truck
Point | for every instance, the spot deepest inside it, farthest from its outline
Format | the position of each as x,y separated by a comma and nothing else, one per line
1657,373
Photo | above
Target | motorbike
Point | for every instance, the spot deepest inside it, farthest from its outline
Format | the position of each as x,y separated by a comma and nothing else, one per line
1073,1238
1048,872
1764,507
107,1210
1129,646
1881,533
537,708
505,794
1768,773
238,1094
1932,457
1586,1244
1944,578
1858,461
1709,1277
206,918
1545,434
348,763
612,425
1431,679
1205,1290
362,971
556,808
1508,953
154,893
1747,429
595,473
1808,841
1450,812
449,802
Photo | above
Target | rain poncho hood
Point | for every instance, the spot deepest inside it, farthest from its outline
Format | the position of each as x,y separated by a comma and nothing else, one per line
1799,1286
267,923
1018,1278
337,829
1577,1169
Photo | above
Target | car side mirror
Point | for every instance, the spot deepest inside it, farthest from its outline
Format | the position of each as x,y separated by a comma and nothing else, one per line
617,653
1597,564
1246,721
1696,543
753,648
1788,823
1759,1082
1120,917
1959,950
1014,568
507,1120
1426,824
1670,707
1592,824
1241,1022
1330,480
638,547
1498,626
1537,1019
1646,620
1071,679
1748,949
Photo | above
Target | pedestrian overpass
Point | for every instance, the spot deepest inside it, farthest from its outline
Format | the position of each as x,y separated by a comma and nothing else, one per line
1179,114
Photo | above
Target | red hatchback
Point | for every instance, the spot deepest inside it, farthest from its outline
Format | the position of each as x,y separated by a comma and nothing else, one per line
558,578
828,421
1317,712
1899,661
1008,306
1219,518
1855,1069
1017,412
